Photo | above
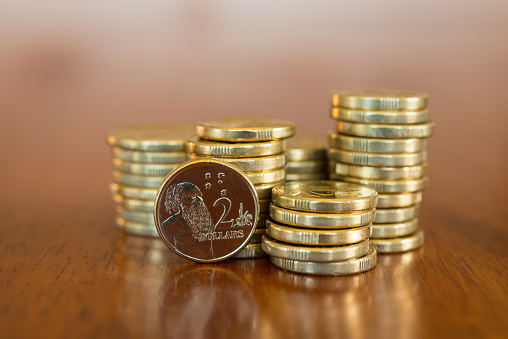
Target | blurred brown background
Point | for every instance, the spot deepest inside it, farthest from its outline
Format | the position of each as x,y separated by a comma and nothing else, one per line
71,71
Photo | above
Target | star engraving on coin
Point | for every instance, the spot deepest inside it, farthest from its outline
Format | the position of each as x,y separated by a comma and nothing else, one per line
206,210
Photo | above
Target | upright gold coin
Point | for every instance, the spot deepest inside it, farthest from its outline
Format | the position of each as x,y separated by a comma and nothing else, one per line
250,251
377,159
137,180
324,196
371,145
314,237
152,137
321,220
402,244
134,204
136,228
267,177
254,164
133,192
236,150
380,99
306,147
372,172
149,157
306,176
283,250
395,230
351,266
380,117
143,169
393,215
311,166
423,130
387,186
206,210
398,200
245,129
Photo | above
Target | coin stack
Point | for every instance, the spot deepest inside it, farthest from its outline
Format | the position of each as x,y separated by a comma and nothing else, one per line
321,227
142,157
381,142
306,158
255,145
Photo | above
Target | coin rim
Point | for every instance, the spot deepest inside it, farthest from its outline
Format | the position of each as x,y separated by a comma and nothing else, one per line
400,244
243,134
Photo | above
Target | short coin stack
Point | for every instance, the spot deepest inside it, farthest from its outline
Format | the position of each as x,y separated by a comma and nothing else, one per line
255,145
142,157
381,142
321,227
306,158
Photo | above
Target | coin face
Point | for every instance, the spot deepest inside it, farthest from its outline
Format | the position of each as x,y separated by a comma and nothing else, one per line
152,137
380,99
206,210
324,196
245,129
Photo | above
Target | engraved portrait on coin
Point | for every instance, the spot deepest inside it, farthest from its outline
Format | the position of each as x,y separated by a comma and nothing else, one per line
206,210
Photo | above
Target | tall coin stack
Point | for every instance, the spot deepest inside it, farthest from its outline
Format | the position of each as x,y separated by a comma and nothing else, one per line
306,158
142,157
381,142
256,146
321,227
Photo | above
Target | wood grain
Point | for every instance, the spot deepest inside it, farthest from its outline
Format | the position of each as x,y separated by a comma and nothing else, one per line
69,76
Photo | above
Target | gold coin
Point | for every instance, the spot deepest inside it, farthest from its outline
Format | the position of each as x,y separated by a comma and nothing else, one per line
324,196
311,166
380,117
149,157
306,147
351,266
371,172
387,186
306,176
283,250
398,200
264,205
250,251
423,130
395,230
321,220
143,169
381,99
245,129
371,145
393,215
257,236
136,227
317,237
134,204
264,191
137,180
266,177
377,159
238,150
154,137
133,192
402,244
255,164
135,216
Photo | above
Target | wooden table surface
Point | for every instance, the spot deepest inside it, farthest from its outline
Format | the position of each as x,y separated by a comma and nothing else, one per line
66,272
